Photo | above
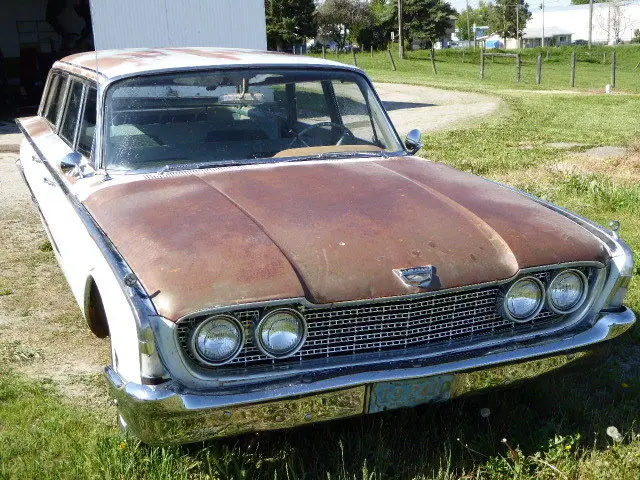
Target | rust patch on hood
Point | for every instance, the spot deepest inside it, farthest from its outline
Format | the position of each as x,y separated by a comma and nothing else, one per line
331,231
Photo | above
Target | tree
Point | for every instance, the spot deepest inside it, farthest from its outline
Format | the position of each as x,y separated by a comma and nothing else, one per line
614,20
343,20
427,19
467,18
383,21
509,18
585,2
289,22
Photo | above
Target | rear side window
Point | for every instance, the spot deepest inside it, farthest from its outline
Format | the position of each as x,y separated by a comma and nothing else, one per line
71,112
54,98
88,125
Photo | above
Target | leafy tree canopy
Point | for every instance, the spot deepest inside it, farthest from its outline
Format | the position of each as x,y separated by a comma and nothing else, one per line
506,16
427,19
465,20
342,21
289,22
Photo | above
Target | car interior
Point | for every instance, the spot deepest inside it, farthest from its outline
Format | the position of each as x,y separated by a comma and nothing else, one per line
153,125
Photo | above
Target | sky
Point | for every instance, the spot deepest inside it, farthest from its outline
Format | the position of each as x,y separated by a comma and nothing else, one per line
460,5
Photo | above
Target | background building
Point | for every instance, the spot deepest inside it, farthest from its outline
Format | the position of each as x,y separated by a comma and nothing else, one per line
614,21
35,33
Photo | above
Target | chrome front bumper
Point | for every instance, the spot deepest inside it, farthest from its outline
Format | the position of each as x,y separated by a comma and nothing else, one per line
167,413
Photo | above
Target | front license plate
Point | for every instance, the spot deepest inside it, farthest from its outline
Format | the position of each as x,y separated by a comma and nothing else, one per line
409,393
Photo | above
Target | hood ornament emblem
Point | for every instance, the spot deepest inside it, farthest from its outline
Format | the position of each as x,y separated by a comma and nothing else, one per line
422,277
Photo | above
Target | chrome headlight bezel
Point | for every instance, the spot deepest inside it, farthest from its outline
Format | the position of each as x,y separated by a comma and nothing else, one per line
257,333
583,296
196,332
541,302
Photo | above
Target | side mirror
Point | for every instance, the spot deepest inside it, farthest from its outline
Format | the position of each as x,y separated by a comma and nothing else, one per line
70,161
413,141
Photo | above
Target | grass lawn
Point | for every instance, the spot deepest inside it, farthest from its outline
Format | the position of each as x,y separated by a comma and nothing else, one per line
555,427
456,71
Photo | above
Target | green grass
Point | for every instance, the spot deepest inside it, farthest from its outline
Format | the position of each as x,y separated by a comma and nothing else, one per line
555,426
457,72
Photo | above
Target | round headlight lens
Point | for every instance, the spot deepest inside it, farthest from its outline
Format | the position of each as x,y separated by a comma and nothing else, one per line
218,339
281,333
524,299
567,291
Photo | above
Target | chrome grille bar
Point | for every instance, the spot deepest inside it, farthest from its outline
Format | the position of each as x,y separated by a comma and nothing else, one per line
441,318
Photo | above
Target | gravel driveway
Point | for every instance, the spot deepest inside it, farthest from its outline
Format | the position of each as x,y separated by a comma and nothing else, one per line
430,109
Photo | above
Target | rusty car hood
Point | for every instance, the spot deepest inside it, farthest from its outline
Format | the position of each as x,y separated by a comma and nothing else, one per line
329,231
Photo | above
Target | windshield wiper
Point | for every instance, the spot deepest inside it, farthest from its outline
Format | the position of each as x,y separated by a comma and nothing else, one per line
238,163
321,156
200,166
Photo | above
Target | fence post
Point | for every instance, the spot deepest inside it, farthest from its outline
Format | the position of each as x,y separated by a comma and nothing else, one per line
547,55
518,68
482,64
463,52
355,61
371,51
614,66
539,71
573,69
393,64
324,53
433,60
604,58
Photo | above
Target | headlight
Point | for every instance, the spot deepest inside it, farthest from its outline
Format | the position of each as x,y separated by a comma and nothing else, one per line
524,299
567,291
281,333
218,339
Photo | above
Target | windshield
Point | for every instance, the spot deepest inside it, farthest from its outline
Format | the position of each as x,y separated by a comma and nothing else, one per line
185,119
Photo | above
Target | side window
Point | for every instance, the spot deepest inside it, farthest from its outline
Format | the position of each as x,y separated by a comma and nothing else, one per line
88,125
353,109
311,103
71,111
54,98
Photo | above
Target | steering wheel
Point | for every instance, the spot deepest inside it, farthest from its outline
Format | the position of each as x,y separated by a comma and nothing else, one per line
346,133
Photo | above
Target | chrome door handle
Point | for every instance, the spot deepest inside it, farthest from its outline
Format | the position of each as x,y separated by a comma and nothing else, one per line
51,183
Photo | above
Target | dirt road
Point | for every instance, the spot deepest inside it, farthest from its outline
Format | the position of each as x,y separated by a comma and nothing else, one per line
430,109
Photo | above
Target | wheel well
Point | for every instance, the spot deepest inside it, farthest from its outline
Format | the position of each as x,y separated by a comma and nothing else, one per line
94,310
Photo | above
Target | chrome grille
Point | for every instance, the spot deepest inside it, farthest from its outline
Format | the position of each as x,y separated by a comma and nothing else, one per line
436,319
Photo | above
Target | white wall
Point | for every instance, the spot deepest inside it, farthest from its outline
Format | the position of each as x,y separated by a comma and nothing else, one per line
179,23
575,19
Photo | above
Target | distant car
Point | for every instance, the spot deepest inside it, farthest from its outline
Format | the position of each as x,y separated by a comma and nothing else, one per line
263,250
580,42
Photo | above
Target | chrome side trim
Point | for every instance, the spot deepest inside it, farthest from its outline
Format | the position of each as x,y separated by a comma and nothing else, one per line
168,413
141,305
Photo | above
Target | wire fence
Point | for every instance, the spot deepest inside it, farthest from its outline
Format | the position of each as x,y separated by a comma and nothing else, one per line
598,68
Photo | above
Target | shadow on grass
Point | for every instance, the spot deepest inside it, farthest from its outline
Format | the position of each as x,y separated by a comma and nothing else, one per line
576,406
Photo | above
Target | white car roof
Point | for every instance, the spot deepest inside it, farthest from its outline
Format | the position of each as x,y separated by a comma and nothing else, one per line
105,65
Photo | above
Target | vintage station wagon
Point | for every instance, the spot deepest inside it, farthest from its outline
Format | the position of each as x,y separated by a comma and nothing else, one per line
263,251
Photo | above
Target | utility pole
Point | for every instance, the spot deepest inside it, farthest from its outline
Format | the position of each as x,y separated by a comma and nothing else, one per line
468,24
590,22
517,24
543,23
400,28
